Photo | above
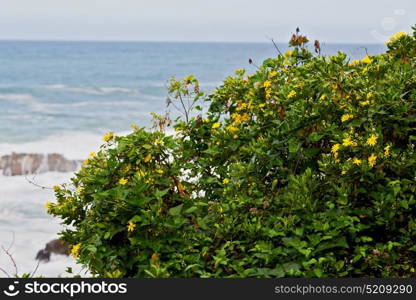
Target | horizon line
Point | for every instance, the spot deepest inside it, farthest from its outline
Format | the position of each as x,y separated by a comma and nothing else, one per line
172,41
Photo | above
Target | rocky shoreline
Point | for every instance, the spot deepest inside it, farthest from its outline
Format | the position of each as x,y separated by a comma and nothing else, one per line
35,163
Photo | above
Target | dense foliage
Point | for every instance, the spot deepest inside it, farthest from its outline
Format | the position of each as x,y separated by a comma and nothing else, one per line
305,168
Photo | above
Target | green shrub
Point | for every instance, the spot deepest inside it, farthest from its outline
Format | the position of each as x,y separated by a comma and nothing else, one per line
305,168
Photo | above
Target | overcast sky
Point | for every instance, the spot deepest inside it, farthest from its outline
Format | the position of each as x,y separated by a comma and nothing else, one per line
368,21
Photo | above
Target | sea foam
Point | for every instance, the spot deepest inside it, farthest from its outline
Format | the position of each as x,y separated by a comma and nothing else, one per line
25,227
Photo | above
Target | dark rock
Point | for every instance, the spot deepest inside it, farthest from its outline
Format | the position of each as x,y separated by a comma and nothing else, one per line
56,246
43,255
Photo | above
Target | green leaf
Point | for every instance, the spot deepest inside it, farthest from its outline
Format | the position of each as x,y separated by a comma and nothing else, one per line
318,272
160,193
314,137
294,146
340,242
176,211
138,201
191,209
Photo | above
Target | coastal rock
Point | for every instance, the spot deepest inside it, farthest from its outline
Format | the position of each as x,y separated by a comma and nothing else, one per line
33,163
56,246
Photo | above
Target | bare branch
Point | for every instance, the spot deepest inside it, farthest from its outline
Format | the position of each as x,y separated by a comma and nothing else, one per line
250,61
12,259
12,242
277,48
4,271
37,185
37,266
365,49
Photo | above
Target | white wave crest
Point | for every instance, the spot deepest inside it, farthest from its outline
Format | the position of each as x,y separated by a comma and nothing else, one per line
16,97
92,90
72,145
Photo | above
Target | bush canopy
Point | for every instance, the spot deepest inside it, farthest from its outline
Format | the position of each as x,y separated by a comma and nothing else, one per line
305,168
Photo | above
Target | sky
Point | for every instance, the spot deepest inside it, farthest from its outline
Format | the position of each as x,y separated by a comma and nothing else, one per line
368,21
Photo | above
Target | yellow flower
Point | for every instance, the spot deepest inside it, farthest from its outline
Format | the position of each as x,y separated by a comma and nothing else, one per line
291,94
343,172
127,168
396,36
250,105
92,154
216,125
158,142
56,188
75,250
108,136
262,105
148,180
387,150
122,181
238,119
348,142
346,117
335,148
363,103
288,53
86,162
141,173
134,126
372,160
273,74
231,128
323,97
355,62
367,60
147,158
131,226
159,171
268,93
370,95
241,106
79,190
48,205
226,181
372,140
267,84
357,161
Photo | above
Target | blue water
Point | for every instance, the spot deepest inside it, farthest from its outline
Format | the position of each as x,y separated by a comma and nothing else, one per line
51,87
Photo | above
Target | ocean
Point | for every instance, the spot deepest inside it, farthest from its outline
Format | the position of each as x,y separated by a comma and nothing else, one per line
61,97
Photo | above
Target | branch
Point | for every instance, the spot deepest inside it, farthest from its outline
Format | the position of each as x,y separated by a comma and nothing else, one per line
277,48
37,185
12,259
37,266
250,61
12,242
4,271
365,49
